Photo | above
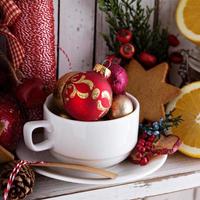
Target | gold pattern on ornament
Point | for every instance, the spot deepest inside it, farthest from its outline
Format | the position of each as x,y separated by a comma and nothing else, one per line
76,92
100,106
79,81
86,81
95,93
105,94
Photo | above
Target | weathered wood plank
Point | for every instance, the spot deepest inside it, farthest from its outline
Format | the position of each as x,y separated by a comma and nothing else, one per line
178,169
76,34
182,195
139,189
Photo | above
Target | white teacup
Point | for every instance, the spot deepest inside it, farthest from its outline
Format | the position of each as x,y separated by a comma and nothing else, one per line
99,144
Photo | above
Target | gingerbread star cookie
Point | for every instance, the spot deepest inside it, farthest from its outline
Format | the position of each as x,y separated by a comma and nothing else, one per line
5,156
151,89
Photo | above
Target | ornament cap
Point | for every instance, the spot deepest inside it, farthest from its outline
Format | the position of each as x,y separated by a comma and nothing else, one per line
102,70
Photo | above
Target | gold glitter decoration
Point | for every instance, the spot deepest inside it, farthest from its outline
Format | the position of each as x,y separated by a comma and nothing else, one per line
95,93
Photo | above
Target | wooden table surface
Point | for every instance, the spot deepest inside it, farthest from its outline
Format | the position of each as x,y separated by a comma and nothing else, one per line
178,173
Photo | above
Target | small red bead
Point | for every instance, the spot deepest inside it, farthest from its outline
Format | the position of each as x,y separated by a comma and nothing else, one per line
151,138
144,135
144,161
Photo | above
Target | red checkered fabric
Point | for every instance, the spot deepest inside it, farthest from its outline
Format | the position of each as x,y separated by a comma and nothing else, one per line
10,14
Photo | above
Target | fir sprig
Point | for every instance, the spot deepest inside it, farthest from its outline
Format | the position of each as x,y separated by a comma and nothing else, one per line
161,126
129,14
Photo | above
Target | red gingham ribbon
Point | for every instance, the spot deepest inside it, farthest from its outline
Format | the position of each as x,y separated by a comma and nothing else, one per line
13,174
11,12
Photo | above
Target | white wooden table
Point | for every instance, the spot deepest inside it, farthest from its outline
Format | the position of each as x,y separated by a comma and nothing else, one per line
178,173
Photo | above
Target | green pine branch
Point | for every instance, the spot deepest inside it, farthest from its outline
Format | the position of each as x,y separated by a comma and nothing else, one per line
129,14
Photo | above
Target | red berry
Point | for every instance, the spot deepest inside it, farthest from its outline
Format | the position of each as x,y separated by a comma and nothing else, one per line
124,36
147,59
144,135
144,161
127,50
31,93
148,143
151,138
176,58
173,40
141,141
142,149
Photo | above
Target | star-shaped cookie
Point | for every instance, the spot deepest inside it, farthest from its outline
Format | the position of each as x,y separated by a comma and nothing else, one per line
151,89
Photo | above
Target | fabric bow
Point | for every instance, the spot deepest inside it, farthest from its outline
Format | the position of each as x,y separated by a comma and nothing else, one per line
10,14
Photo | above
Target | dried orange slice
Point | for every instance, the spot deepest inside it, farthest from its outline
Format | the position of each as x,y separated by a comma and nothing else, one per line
187,105
187,19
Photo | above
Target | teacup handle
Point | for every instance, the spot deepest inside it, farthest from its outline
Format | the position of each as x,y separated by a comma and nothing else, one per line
29,127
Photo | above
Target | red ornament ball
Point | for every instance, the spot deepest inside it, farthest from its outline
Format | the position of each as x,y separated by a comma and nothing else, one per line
118,79
87,96
31,93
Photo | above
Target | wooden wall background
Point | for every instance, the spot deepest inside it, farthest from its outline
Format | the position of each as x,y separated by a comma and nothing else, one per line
79,23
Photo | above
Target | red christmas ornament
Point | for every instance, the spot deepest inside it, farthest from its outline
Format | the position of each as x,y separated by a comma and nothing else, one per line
127,50
31,93
87,96
124,36
176,58
173,40
147,59
118,79
11,123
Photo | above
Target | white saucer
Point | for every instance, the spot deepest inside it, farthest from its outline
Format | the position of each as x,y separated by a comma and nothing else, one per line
127,172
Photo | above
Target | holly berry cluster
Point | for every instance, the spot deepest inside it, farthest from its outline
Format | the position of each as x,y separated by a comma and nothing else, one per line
130,34
153,140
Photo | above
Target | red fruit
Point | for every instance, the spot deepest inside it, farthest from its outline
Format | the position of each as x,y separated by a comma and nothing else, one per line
127,50
11,123
147,59
176,58
31,92
124,36
173,40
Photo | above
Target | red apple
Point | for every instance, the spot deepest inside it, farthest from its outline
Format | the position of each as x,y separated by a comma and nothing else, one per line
31,93
11,123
